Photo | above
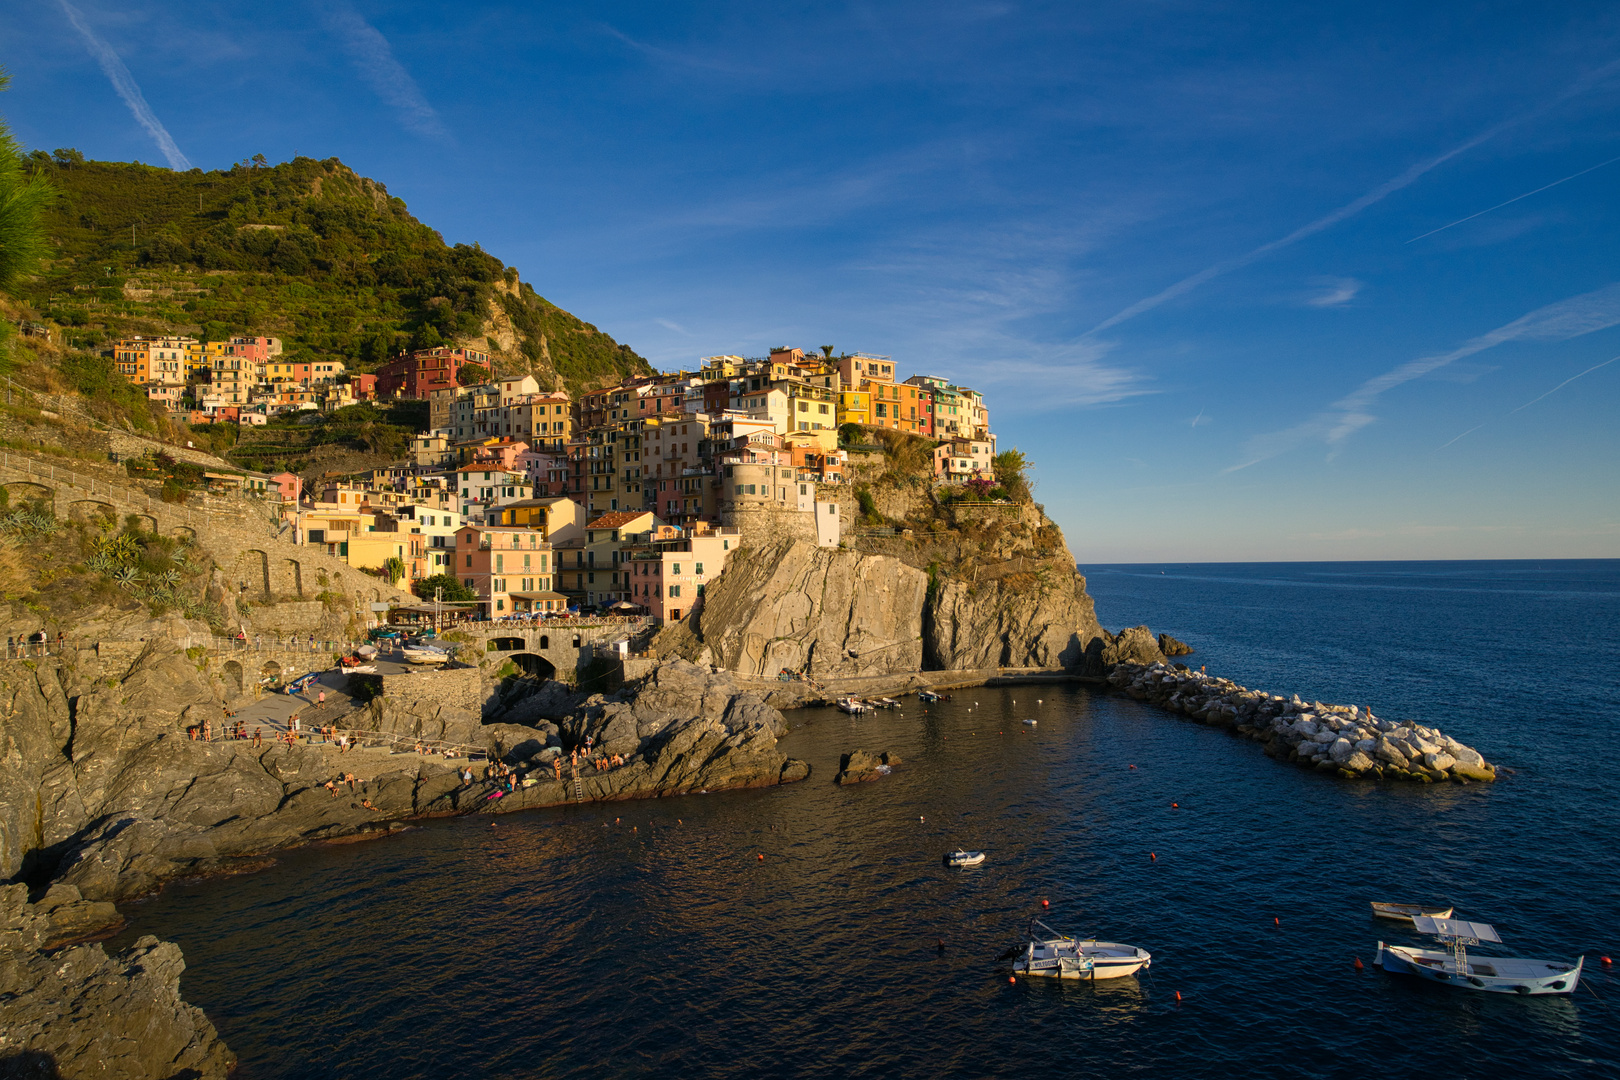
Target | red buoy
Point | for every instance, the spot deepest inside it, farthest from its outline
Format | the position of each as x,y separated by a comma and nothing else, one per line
762,858
1607,961
1178,995
1175,806
1012,978
1276,920
1046,903
1133,766
1153,855
1358,964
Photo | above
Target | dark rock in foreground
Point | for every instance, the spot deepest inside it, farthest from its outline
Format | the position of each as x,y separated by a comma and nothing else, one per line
77,1012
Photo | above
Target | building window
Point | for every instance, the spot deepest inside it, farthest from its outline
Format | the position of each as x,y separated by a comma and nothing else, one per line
699,570
674,591
469,560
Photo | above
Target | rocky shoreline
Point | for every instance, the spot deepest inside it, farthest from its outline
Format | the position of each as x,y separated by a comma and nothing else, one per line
1343,740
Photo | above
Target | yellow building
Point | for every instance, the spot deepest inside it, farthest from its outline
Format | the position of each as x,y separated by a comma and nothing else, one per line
854,407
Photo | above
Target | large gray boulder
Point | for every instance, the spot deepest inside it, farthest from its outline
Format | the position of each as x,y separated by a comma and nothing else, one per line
76,1011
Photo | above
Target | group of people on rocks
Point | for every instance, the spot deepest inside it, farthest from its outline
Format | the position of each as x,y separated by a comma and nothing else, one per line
36,644
228,732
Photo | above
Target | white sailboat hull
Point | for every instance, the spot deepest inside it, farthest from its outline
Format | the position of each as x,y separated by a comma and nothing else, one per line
1488,974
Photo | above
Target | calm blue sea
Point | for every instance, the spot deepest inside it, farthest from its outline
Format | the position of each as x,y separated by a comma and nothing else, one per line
648,939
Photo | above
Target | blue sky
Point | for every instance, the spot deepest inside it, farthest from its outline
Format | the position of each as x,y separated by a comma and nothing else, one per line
1176,244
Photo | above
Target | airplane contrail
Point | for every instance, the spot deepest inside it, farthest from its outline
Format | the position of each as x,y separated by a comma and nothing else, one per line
1532,401
1515,199
124,83
1355,206
1566,382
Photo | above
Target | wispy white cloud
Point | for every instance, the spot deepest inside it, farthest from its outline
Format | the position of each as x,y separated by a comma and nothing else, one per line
1335,292
1565,383
124,83
374,59
1199,420
1566,319
675,326
674,58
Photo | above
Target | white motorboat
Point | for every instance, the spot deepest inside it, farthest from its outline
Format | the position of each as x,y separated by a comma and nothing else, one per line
964,858
853,705
1453,966
885,703
424,654
1059,956
927,697
1031,723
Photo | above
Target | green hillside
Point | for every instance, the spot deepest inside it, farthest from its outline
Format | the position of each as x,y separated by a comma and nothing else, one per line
307,251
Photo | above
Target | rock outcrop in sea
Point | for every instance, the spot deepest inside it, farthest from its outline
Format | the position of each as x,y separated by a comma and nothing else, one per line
862,766
1340,739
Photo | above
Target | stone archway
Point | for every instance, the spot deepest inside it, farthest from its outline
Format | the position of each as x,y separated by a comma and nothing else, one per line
252,573
23,491
92,510
505,644
232,674
534,667
292,578
182,532
268,669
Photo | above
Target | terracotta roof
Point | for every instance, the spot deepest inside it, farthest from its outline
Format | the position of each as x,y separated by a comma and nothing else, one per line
617,518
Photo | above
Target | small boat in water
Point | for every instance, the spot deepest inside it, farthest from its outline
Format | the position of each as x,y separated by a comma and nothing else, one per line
885,703
1452,966
927,697
1406,912
1055,955
853,705
1031,723
964,858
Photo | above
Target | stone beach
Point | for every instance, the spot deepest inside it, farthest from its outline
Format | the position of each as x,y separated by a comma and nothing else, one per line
1344,740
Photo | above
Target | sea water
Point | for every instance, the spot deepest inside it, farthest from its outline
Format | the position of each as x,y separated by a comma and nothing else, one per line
649,938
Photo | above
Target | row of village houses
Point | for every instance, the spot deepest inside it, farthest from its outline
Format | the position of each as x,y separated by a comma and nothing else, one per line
626,495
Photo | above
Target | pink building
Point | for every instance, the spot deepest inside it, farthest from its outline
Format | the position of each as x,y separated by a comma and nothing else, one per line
290,486
257,349
501,564
669,574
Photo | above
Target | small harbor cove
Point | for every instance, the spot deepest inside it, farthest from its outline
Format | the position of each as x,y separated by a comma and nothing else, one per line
651,938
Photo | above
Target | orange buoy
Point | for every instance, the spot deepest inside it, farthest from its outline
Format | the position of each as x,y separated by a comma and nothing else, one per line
1358,964
762,858
1012,978
1133,766
1046,903
1276,921
1607,961
1175,806
1178,995
1154,855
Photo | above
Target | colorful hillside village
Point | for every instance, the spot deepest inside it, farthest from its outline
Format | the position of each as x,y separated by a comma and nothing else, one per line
628,498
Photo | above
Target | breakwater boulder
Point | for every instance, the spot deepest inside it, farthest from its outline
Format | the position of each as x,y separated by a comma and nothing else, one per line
1344,740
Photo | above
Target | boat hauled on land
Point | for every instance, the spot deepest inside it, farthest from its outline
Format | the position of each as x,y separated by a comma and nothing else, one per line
1054,955
425,654
1453,966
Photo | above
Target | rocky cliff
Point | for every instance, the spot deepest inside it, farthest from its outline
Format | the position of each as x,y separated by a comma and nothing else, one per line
946,601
